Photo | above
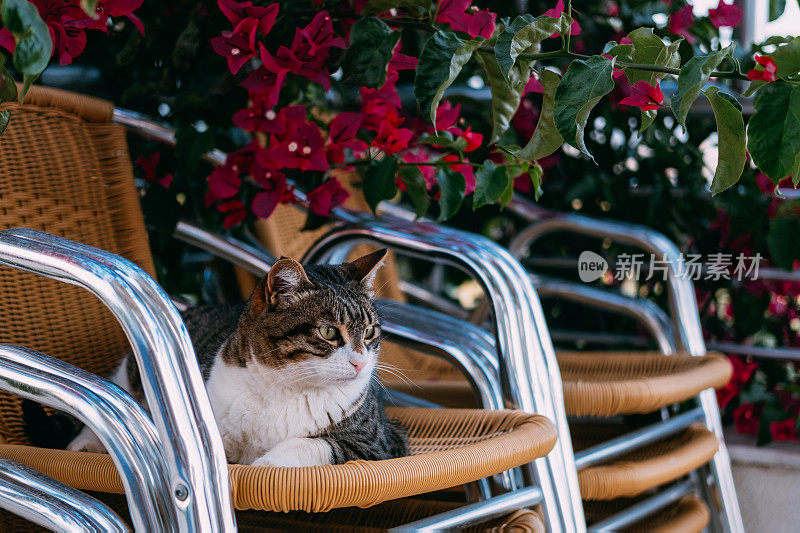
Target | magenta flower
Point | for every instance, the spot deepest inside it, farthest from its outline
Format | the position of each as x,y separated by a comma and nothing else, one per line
462,16
235,213
556,12
428,172
236,12
465,170
326,197
237,46
274,188
768,74
392,139
258,117
343,129
149,164
296,143
725,15
224,182
681,21
643,95
265,85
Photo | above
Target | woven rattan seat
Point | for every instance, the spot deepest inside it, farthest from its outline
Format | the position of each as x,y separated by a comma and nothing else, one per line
689,515
614,383
644,468
449,447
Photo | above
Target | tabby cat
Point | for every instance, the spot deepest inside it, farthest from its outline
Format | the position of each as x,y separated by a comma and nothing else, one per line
291,375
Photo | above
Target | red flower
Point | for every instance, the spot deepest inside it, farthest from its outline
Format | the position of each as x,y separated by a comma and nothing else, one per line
474,140
343,129
317,37
475,23
237,46
236,12
746,419
258,117
644,96
224,182
401,61
428,171
556,12
727,393
783,430
680,21
768,74
66,23
149,164
241,161
466,171
376,104
326,197
392,139
447,116
286,60
742,370
295,143
118,8
725,15
273,193
265,85
235,213
533,86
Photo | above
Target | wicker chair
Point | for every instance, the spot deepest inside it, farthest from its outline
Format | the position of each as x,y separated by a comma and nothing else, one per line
65,170
604,384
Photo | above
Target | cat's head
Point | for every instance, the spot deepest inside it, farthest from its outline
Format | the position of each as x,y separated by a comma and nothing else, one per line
316,323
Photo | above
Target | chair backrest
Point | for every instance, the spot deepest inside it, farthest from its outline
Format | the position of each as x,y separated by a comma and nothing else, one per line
65,169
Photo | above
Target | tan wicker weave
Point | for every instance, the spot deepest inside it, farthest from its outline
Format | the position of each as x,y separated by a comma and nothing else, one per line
65,169
689,515
644,468
450,447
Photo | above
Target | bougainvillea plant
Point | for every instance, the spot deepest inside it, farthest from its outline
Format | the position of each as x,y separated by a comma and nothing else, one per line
360,45
36,31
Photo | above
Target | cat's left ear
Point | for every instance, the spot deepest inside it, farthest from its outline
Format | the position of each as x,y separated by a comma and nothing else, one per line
365,268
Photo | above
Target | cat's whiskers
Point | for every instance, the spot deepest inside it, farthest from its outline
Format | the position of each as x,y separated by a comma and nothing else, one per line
396,372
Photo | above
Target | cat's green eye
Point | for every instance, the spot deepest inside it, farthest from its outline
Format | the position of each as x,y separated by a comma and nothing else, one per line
369,332
328,332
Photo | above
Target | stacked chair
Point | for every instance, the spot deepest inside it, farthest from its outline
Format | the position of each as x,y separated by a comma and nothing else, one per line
68,199
625,476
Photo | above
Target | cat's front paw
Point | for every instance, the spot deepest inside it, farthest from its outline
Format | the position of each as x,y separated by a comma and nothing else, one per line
86,441
297,452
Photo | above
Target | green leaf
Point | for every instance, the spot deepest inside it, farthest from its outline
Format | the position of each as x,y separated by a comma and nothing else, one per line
445,139
441,60
787,58
583,85
416,188
648,116
753,87
621,52
506,91
535,172
545,139
451,186
649,48
89,7
773,133
27,81
379,182
33,44
372,42
693,77
491,182
8,89
731,144
524,35
784,247
5,117
376,7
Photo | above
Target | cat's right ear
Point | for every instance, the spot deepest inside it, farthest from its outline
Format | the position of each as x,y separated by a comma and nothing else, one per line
284,280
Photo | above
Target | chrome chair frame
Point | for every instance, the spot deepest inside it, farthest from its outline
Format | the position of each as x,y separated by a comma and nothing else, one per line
53,505
683,313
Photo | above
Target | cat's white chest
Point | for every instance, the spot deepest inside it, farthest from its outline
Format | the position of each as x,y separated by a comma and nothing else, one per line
255,411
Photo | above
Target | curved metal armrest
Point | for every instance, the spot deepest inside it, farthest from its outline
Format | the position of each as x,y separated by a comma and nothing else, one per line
119,422
646,312
253,260
683,306
198,471
48,503
467,346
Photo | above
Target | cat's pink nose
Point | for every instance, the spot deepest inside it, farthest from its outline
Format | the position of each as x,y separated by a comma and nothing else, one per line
358,365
